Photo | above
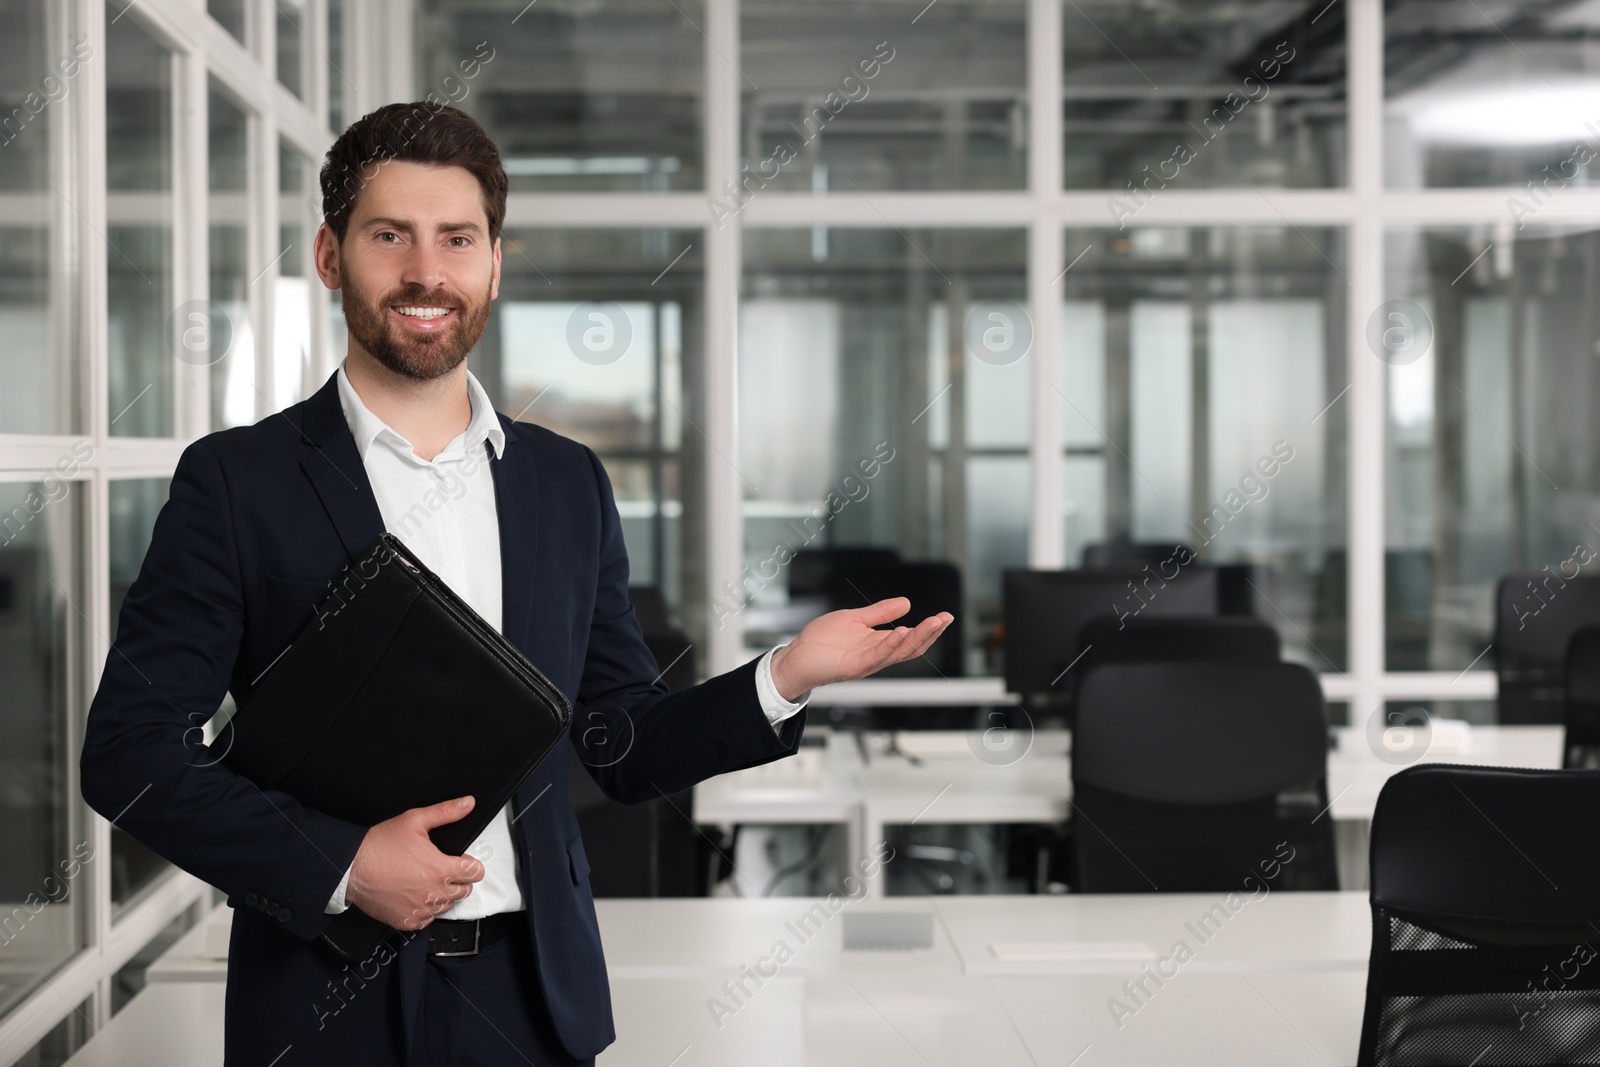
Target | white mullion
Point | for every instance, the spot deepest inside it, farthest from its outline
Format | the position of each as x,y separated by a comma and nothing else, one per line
191,400
238,68
264,264
1046,534
360,39
87,111
317,73
399,79
1365,410
724,519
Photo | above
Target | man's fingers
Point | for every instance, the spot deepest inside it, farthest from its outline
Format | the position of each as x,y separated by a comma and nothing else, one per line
883,611
915,642
446,811
467,869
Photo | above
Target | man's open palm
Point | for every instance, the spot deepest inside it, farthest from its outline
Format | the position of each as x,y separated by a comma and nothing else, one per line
842,645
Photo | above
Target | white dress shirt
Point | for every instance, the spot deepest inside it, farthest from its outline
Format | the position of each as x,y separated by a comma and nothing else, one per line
444,511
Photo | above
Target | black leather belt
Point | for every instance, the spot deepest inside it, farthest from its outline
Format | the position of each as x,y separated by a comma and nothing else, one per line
464,937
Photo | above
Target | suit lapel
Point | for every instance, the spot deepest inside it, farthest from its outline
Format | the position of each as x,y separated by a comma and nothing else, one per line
516,501
339,477
337,474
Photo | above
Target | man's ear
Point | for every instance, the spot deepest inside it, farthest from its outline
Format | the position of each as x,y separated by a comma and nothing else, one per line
494,281
325,251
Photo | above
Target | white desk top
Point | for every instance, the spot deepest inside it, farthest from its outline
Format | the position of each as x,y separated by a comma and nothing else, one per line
878,1019
1280,983
1193,1020
671,938
828,785
177,1024
1356,773
1119,933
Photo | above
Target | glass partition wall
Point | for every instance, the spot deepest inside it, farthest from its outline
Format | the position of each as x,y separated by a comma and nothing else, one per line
979,284
146,300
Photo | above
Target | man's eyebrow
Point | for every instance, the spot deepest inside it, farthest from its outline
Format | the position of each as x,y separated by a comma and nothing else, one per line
444,227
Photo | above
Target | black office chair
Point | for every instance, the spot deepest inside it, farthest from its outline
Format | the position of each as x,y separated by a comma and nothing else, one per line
1175,638
931,586
1044,613
671,647
1120,551
1581,745
1190,777
828,572
1535,616
1485,918
649,849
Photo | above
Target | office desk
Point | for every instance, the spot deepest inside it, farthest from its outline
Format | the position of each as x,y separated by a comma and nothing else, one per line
1193,1020
1356,773
649,939
949,783
1119,933
1281,983
883,1019
174,1024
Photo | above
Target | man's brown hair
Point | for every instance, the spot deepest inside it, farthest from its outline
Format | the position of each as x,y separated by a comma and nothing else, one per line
420,132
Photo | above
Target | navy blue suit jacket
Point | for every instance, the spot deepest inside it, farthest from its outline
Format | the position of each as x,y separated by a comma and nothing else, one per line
258,520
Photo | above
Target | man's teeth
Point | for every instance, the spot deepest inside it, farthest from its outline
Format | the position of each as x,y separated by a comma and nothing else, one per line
423,313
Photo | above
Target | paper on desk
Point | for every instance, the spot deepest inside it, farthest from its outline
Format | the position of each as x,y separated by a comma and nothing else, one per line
1068,951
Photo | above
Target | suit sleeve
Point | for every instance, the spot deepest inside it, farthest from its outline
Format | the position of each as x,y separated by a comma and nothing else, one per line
638,741
144,764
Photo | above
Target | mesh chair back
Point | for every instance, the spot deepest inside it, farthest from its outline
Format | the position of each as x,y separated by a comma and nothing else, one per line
1485,919
1535,616
1195,777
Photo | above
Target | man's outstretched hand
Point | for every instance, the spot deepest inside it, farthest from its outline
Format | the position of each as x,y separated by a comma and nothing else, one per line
842,645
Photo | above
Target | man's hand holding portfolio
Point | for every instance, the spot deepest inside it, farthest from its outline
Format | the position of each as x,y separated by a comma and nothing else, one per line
400,878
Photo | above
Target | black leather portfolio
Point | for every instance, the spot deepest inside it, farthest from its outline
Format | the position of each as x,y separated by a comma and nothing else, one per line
396,695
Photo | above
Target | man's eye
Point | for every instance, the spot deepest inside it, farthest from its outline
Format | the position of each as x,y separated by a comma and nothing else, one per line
458,237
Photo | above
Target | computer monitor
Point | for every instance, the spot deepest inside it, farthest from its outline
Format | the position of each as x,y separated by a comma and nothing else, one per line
1044,611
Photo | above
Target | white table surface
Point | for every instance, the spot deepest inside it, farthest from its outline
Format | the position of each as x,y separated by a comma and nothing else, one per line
1279,984
1194,1020
669,938
1120,933
174,1024
944,780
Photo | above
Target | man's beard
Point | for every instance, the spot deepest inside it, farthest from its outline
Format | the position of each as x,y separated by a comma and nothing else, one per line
415,355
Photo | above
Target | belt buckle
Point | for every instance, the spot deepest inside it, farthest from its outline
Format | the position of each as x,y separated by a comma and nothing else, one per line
477,928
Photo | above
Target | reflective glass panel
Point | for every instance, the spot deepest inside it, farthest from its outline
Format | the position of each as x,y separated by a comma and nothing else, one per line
879,96
604,95
1202,378
883,405
1179,94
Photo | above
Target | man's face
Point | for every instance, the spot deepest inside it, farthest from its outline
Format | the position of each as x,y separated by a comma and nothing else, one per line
418,241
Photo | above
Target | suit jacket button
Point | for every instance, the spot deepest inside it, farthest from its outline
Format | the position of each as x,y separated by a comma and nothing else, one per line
284,915
251,899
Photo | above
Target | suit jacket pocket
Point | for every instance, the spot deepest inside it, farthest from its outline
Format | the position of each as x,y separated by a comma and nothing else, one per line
300,590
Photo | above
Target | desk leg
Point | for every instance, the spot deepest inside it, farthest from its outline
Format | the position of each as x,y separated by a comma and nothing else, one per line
872,837
1351,846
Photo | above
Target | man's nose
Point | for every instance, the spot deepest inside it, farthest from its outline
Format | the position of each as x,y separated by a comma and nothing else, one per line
423,268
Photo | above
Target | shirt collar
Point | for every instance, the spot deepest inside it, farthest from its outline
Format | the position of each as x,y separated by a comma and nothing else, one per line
366,427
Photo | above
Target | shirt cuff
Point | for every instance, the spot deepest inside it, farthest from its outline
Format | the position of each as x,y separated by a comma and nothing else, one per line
777,709
336,903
